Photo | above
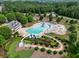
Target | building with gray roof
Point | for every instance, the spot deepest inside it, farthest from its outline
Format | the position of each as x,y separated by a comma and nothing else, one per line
14,25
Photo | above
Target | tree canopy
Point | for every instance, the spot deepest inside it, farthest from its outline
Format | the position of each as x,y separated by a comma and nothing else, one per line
24,20
2,39
10,16
2,18
30,18
6,32
70,9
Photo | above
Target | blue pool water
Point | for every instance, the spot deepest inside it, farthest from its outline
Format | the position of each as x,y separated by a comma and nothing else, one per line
37,29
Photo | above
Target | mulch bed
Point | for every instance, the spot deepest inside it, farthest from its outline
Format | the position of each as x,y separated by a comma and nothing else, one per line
39,54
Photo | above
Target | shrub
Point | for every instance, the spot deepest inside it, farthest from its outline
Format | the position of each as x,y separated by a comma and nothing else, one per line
66,21
60,52
72,22
64,50
41,43
54,40
51,46
65,47
46,44
59,39
56,37
36,42
45,37
56,45
49,51
42,49
64,44
54,52
36,48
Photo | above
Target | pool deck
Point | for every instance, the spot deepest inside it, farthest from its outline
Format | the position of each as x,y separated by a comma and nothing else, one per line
55,28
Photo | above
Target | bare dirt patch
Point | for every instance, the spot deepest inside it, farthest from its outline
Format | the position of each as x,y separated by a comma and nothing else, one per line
2,53
39,54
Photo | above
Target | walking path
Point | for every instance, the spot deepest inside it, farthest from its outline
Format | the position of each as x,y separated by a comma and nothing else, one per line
47,48
3,25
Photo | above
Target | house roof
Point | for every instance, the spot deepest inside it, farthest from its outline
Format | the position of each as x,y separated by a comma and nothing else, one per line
14,25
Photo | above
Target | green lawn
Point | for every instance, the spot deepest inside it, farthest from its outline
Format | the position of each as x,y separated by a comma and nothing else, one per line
24,53
11,52
53,43
21,54
77,32
11,41
59,36
28,40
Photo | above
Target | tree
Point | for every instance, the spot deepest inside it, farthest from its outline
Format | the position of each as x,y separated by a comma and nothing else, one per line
36,48
54,52
66,21
42,49
16,34
56,44
41,43
10,16
71,50
60,52
6,32
36,42
73,37
23,20
2,18
53,44
2,39
72,28
45,14
77,43
69,9
72,22
73,44
41,18
18,15
59,19
46,44
49,51
30,18
76,55
50,17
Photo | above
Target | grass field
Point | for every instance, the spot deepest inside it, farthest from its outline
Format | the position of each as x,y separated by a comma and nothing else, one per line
20,54
24,53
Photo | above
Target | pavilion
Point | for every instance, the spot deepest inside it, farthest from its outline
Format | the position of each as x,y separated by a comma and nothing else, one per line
14,25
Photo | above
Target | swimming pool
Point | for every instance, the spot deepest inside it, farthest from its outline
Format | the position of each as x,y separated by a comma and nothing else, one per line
37,29
42,28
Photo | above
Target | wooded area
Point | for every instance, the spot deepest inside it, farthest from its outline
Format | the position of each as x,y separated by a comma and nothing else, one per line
70,9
